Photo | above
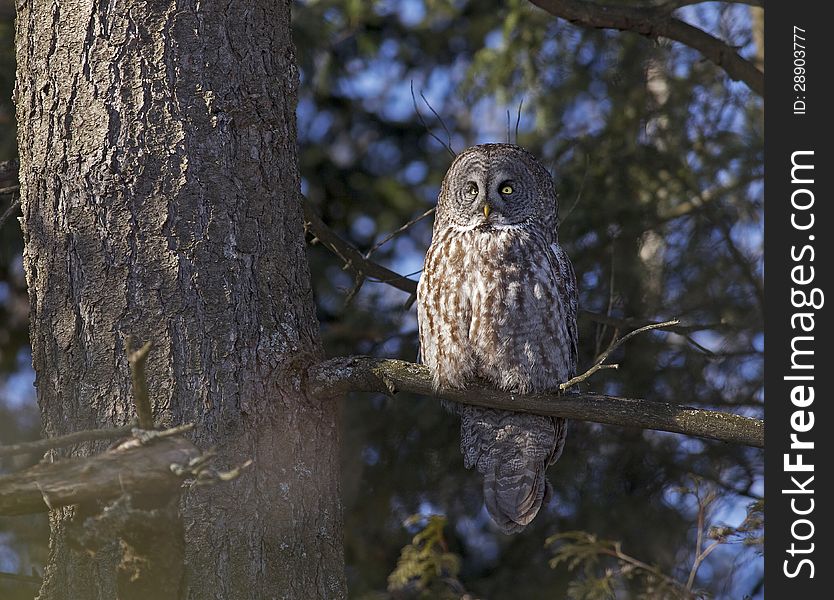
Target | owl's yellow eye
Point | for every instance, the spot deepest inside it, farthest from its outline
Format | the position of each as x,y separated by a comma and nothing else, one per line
507,190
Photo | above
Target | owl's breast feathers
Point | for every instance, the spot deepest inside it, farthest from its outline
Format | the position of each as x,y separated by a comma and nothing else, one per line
499,304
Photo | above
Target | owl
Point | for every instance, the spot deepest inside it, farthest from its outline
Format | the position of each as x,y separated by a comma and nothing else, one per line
497,302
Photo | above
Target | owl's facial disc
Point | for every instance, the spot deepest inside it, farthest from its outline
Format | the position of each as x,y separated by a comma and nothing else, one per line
503,199
496,186
491,199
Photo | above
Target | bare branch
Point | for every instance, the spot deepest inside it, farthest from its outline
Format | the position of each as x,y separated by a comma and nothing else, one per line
399,231
142,468
579,193
423,122
139,381
14,205
654,22
670,5
518,119
9,185
41,446
623,323
360,264
30,579
617,552
744,263
352,258
614,345
8,171
338,376
440,119
703,200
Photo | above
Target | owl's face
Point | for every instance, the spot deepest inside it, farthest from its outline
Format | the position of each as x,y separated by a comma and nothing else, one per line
495,186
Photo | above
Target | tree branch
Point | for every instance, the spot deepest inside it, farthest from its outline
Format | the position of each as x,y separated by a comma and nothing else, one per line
13,206
71,439
631,323
9,186
8,172
139,381
604,356
353,259
340,376
30,579
363,266
131,467
399,231
365,374
654,22
671,5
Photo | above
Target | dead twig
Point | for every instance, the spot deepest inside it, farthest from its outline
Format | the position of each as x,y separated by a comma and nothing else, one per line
350,256
670,5
139,381
399,231
15,204
579,193
448,145
71,439
599,365
139,468
628,323
29,579
518,119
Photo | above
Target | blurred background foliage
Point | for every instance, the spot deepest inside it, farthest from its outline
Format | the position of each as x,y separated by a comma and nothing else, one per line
657,158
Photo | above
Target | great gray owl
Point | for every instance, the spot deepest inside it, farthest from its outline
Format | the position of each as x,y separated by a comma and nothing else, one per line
497,301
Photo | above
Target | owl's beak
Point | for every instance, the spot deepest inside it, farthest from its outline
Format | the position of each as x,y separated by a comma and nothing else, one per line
486,210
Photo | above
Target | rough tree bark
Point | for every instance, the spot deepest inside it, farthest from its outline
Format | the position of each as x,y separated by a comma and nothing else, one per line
159,197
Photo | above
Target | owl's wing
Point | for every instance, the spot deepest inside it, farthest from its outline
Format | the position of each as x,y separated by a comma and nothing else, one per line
419,359
570,298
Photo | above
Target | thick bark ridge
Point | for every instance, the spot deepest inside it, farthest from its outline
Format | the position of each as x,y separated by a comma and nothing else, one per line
159,187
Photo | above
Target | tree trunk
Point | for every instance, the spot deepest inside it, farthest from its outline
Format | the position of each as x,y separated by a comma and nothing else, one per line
159,185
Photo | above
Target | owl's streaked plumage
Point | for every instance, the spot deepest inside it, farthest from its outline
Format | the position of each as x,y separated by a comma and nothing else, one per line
497,300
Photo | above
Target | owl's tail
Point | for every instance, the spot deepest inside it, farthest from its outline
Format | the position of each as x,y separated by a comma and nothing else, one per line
512,451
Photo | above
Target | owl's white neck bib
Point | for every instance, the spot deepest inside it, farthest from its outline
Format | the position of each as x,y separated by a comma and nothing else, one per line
488,229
